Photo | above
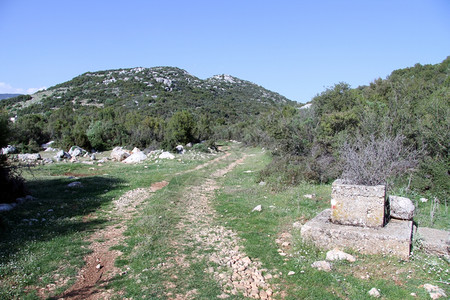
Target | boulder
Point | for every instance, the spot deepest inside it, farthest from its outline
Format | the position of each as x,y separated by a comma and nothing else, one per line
62,154
180,149
166,155
77,151
9,150
30,157
401,208
119,154
136,150
6,207
135,158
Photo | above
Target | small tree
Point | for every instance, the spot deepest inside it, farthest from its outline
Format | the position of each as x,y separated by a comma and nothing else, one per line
373,161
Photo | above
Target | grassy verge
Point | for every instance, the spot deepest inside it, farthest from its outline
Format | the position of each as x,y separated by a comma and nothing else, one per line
396,279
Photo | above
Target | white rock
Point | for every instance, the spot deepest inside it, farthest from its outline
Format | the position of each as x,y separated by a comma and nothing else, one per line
336,254
434,291
119,154
136,157
136,150
309,196
262,183
257,208
77,151
47,145
6,207
423,200
166,155
291,273
322,265
29,157
401,208
374,292
180,149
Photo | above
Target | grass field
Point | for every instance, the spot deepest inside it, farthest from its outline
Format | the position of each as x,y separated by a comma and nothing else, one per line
44,241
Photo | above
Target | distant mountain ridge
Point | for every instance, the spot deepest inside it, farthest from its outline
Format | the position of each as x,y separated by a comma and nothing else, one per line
158,90
7,96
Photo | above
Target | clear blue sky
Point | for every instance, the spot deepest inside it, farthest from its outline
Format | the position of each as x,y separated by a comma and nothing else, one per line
295,48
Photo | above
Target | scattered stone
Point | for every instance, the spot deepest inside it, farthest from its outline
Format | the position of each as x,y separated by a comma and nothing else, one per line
47,145
29,157
76,151
93,156
401,208
75,184
423,200
374,292
6,207
309,196
322,265
136,157
262,183
166,155
98,266
285,244
9,150
413,294
248,171
336,254
434,291
180,149
119,154
257,208
47,160
291,273
62,154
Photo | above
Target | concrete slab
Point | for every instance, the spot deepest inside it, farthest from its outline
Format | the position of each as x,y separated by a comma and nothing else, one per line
434,241
393,239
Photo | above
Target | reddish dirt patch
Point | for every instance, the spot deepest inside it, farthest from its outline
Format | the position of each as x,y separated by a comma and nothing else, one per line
99,268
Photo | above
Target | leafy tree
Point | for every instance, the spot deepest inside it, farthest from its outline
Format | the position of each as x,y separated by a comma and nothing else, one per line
180,129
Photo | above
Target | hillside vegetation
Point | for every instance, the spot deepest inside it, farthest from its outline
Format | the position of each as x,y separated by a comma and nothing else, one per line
163,106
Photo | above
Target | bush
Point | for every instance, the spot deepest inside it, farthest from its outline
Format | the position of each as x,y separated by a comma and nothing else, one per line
373,161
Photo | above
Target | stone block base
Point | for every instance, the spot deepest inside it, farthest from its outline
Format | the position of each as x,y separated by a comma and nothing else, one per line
393,239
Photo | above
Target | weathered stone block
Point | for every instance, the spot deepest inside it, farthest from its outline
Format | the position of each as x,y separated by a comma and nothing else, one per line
358,205
434,241
393,239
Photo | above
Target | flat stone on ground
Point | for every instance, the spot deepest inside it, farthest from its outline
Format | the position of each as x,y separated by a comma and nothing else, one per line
393,239
434,241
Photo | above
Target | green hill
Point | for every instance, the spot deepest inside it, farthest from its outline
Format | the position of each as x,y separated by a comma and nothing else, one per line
159,91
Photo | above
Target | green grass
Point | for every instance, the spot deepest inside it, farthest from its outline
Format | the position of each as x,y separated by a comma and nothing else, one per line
47,236
33,252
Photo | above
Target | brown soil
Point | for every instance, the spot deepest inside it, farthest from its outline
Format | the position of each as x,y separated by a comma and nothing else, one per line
99,268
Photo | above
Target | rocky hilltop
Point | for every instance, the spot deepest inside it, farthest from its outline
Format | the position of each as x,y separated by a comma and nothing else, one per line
159,90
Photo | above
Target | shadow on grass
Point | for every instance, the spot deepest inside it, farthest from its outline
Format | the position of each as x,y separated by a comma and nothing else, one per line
58,212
